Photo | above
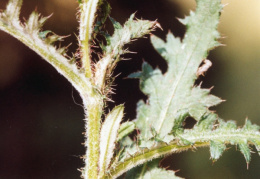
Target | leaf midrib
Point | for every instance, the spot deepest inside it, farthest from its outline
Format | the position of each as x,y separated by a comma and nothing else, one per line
164,113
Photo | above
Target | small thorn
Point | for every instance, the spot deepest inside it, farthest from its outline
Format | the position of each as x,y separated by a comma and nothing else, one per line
157,24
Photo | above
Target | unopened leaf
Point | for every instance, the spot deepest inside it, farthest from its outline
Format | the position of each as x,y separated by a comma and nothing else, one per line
108,136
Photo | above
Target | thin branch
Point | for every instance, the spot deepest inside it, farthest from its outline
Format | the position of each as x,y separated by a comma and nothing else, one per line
49,53
87,15
195,141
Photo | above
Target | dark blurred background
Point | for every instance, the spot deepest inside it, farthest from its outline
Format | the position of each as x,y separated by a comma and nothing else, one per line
41,124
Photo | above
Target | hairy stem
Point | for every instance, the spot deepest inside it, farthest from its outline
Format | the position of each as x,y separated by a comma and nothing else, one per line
93,100
148,154
50,54
88,9
162,149
94,112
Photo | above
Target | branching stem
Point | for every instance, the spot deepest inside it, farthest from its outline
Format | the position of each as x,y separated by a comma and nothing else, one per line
149,154
163,149
50,54
93,100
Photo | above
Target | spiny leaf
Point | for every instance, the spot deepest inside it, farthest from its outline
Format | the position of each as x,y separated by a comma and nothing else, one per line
123,35
108,136
222,134
194,102
29,33
132,29
216,149
243,147
172,95
12,12
33,26
35,23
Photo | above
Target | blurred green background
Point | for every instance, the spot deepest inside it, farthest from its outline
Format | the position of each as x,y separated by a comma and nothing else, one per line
41,124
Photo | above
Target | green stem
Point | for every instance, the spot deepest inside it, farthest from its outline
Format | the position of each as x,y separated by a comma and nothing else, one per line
50,54
88,9
148,154
195,139
143,169
94,106
86,58
92,100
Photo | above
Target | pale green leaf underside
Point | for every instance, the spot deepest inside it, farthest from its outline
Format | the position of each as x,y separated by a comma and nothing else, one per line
108,137
220,133
210,131
132,29
172,95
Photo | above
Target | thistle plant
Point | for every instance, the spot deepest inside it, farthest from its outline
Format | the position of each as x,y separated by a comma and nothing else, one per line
111,149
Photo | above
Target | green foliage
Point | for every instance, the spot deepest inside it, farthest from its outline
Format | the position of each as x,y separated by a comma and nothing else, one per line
112,52
30,34
219,133
172,96
108,136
